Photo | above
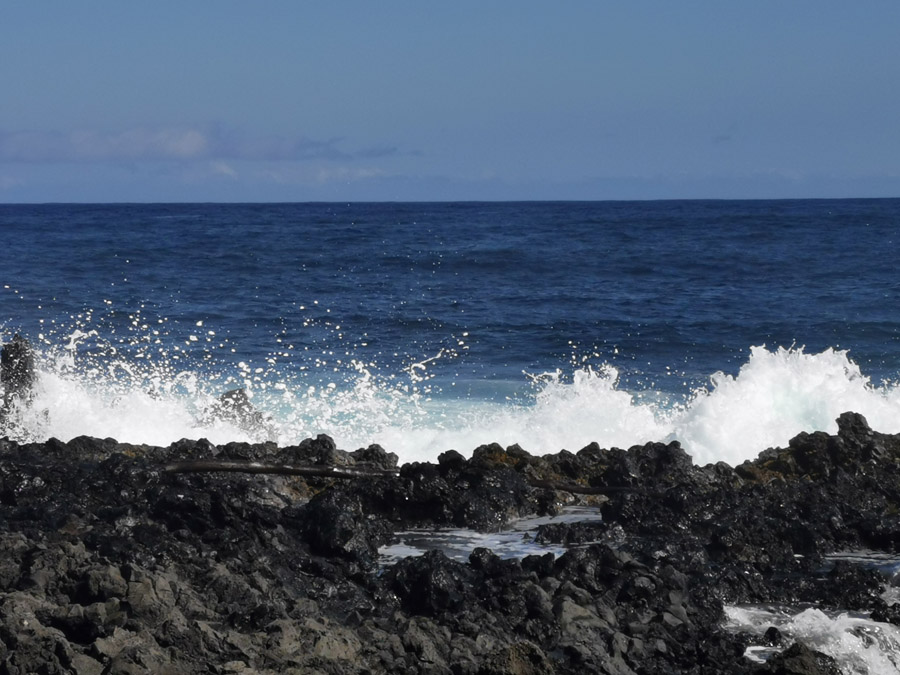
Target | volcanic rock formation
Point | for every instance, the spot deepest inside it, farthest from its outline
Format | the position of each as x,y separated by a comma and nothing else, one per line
113,564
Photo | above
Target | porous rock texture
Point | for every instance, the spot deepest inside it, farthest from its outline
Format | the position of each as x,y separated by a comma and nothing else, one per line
111,564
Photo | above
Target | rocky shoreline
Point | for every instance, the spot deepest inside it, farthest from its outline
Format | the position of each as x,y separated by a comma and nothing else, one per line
113,564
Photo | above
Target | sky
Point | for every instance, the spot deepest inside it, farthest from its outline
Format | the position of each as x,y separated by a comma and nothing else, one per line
111,101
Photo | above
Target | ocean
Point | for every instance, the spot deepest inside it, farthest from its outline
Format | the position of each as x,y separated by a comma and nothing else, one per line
729,326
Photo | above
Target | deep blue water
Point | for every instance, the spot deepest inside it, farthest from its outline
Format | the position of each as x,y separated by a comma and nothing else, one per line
668,292
688,285
412,325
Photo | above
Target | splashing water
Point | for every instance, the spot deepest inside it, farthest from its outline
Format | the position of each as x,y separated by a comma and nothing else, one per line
144,387
776,395
860,646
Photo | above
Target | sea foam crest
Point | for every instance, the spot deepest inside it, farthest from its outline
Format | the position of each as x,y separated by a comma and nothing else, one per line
155,397
860,646
775,395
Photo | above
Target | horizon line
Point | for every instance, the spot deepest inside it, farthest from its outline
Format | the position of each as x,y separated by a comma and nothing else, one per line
444,201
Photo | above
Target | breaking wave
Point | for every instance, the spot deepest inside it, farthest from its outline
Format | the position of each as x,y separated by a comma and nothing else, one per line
139,390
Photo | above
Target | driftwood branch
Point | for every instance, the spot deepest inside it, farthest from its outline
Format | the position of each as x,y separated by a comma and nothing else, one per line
581,489
210,465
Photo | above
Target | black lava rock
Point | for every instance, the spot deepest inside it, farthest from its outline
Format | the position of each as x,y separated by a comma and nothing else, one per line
111,563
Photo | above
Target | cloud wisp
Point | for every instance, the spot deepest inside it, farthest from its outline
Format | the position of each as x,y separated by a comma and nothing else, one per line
172,144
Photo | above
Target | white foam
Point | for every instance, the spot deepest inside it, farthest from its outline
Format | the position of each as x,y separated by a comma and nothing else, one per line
66,406
151,397
860,645
776,395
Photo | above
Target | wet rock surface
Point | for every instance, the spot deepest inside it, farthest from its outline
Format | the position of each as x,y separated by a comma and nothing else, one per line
111,564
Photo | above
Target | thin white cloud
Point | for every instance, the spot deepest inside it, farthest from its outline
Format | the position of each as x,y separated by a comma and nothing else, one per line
347,174
140,143
180,144
10,183
312,175
134,144
223,169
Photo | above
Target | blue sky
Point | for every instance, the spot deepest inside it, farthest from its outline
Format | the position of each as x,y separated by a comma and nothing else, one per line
297,101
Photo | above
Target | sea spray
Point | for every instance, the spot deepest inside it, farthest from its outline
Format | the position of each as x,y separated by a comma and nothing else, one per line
775,395
860,646
139,390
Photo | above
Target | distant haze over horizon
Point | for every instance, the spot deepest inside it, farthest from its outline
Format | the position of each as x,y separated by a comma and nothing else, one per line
503,101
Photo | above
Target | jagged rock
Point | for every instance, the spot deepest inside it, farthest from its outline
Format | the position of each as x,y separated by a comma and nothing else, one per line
337,524
520,658
235,406
112,564
431,584
375,456
17,373
318,450
798,659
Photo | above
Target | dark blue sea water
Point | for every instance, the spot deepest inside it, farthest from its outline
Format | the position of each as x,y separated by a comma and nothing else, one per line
424,326
729,326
